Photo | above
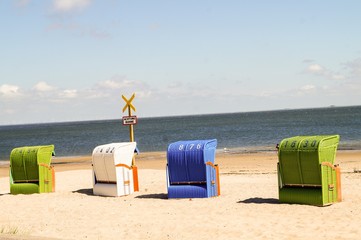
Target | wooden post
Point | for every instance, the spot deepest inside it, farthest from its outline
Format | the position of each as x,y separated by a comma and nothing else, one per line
131,129
130,106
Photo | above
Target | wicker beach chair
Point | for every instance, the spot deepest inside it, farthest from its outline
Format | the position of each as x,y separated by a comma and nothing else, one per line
306,170
30,170
113,173
191,172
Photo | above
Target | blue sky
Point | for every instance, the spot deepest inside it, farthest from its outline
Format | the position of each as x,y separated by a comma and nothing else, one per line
70,60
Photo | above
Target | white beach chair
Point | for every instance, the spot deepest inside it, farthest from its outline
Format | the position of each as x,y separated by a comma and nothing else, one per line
112,169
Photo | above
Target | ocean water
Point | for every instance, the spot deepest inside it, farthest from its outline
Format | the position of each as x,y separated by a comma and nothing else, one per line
249,131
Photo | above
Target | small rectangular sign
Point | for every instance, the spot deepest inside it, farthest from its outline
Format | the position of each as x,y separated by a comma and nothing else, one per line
129,120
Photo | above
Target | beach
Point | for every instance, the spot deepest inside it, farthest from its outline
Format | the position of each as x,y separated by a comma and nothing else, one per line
248,207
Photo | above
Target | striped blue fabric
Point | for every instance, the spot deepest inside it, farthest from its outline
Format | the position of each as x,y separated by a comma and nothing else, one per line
187,172
187,191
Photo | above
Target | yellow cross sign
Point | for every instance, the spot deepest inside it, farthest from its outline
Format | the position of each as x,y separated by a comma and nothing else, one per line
128,102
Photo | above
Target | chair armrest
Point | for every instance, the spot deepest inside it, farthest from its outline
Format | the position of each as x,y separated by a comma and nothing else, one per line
123,165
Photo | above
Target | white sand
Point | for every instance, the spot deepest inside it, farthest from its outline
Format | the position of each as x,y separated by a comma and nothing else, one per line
248,208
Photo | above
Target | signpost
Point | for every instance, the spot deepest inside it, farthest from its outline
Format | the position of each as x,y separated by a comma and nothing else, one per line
131,120
129,106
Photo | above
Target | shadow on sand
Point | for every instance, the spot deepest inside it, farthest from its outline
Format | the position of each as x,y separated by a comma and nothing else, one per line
153,196
86,191
89,192
260,200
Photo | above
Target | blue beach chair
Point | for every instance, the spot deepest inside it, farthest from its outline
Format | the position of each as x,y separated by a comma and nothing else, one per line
191,172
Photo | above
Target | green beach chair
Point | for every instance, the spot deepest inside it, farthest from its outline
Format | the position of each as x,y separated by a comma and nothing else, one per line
306,170
30,170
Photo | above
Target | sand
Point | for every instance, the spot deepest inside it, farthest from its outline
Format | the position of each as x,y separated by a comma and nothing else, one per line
248,207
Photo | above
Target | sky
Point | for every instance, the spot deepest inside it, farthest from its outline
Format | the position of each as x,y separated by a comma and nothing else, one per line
72,60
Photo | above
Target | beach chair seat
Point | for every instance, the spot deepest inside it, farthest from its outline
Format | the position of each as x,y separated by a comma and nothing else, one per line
306,170
187,191
191,172
113,173
30,170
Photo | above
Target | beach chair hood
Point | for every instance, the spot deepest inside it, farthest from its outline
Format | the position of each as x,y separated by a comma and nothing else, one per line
30,170
306,170
191,171
112,168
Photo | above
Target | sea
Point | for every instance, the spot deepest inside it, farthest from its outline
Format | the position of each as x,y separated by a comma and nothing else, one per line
235,132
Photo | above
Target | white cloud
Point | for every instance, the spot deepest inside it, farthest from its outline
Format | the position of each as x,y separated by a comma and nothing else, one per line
69,93
337,76
308,88
144,94
315,68
95,94
7,90
116,84
10,111
70,25
103,100
43,87
265,94
175,85
121,85
70,5
301,91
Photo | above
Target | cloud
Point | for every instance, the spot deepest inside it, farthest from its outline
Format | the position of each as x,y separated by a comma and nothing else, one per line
43,87
10,111
70,24
318,70
175,85
116,84
108,89
8,90
337,77
351,72
121,85
103,100
308,88
70,5
68,93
